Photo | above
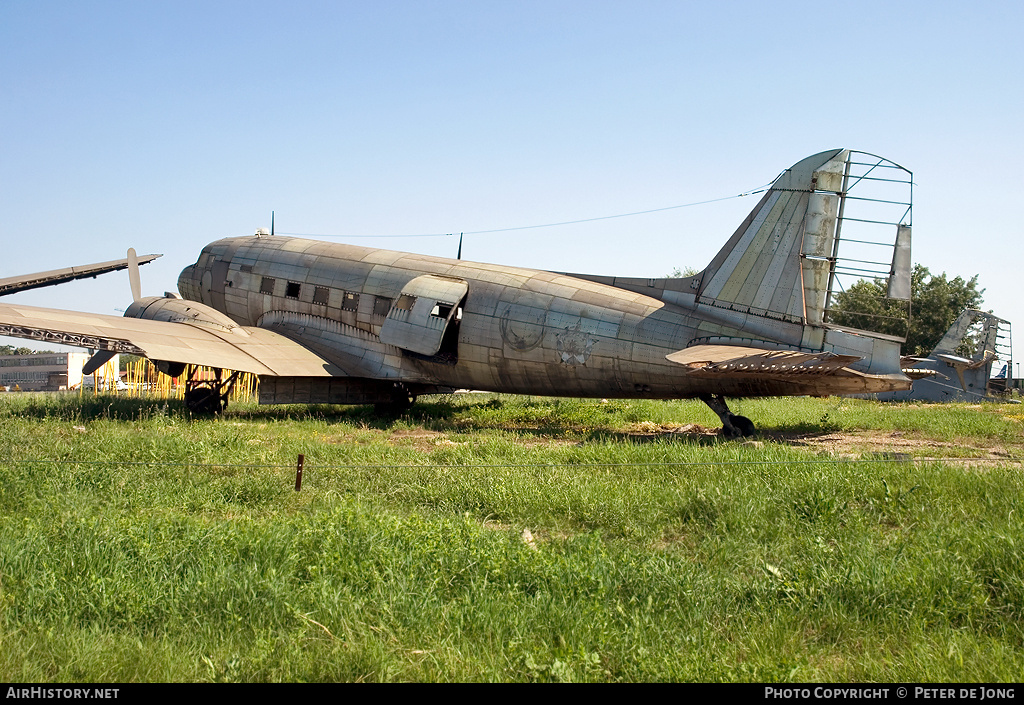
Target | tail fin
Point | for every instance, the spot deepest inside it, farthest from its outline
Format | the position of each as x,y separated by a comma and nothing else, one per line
986,338
783,261
772,282
776,263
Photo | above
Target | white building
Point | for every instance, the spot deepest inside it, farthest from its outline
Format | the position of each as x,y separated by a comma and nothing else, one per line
49,371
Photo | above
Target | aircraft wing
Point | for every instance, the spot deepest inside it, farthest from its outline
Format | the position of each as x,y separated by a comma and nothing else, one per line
245,349
732,359
24,282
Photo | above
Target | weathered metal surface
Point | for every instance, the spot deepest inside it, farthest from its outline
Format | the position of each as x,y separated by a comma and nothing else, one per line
10,285
299,309
899,277
419,318
819,237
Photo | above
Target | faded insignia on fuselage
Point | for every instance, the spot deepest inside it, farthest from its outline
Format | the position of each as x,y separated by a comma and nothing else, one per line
574,346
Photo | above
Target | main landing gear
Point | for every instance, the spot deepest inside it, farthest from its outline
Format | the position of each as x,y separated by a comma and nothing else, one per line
400,400
733,426
208,397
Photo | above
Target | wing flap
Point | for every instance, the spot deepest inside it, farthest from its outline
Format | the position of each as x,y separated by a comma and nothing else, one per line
258,351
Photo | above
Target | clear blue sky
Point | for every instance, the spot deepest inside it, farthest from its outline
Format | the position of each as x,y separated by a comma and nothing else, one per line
166,125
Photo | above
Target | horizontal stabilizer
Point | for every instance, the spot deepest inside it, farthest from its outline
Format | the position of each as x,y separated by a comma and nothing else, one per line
916,373
913,361
962,363
738,359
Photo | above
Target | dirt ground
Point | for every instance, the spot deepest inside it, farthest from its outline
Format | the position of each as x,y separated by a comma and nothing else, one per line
894,445
855,444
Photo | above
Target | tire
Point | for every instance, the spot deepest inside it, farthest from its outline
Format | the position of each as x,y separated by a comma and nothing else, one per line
204,401
744,425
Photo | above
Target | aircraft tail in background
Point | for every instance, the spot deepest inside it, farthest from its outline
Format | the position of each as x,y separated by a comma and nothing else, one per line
960,366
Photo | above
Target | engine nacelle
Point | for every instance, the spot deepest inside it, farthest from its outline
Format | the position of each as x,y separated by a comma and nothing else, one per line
175,310
171,369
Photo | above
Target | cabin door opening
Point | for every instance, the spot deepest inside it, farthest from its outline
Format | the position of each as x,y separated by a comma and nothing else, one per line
425,319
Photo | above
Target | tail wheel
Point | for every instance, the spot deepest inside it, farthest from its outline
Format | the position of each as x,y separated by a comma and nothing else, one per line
744,425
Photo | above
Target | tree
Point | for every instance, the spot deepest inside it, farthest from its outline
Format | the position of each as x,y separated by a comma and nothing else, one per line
11,350
126,359
678,273
935,302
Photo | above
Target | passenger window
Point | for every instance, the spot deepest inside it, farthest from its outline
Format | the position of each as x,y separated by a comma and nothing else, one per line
441,310
381,306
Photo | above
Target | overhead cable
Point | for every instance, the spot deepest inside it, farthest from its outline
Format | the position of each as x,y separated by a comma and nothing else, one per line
760,189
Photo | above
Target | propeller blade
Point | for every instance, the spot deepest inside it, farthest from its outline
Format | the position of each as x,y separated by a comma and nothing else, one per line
98,360
133,274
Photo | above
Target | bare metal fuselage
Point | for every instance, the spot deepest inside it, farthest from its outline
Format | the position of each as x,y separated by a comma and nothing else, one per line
515,330
327,323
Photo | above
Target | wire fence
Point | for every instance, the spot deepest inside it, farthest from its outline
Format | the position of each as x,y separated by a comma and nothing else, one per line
882,458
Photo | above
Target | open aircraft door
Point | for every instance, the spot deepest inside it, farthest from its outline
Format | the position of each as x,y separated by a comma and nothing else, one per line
428,307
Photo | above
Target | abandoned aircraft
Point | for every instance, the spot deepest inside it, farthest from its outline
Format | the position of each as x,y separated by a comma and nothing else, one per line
946,375
331,323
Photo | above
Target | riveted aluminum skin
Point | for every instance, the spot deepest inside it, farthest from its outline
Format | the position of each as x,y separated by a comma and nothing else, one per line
348,324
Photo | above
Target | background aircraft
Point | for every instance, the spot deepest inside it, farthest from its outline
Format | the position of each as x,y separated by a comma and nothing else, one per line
953,373
331,323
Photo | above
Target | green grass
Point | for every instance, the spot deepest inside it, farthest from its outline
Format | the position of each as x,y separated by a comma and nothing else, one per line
137,544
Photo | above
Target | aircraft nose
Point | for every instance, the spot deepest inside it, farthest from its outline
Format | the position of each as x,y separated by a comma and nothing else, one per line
188,286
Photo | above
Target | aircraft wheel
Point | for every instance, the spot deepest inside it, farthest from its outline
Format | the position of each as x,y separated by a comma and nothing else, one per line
398,405
743,426
204,401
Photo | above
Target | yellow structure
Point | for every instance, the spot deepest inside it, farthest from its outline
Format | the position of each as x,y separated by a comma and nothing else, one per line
141,379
